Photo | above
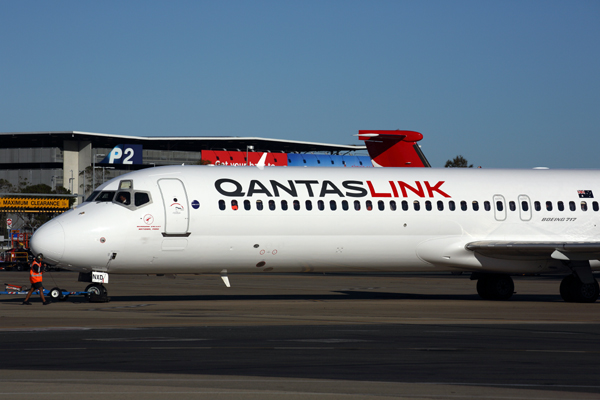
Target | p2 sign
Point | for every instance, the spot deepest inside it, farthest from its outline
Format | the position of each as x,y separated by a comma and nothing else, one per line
124,154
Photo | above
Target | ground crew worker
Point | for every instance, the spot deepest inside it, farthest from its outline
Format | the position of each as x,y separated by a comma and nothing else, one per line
35,277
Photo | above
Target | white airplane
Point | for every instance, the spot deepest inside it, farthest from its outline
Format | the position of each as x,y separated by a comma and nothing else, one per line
206,219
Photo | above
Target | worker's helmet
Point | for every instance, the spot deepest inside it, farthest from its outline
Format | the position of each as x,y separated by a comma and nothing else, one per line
40,256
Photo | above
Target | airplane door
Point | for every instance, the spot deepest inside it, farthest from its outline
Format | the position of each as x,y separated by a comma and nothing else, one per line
176,206
524,207
499,207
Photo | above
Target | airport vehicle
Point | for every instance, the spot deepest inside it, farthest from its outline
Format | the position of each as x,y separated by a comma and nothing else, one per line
207,219
15,259
54,293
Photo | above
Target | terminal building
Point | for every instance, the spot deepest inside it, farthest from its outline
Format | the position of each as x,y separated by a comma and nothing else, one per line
67,159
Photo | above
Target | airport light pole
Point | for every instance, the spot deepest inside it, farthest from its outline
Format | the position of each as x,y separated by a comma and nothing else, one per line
247,159
94,171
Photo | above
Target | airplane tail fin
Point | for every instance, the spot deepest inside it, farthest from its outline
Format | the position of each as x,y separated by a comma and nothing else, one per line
394,148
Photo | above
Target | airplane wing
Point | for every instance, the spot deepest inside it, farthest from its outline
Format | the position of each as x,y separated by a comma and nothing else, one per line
536,250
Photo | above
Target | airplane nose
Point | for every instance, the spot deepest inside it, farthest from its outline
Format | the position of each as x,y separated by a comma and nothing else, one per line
49,239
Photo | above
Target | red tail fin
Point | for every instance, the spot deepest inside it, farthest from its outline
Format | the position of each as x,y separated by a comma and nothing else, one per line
394,148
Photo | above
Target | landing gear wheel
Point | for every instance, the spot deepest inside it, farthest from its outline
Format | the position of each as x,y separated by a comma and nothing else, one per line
573,290
495,287
56,294
96,288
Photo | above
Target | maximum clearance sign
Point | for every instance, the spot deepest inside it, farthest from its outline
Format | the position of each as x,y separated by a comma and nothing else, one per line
33,204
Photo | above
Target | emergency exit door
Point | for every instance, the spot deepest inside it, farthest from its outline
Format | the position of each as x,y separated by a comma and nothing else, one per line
176,206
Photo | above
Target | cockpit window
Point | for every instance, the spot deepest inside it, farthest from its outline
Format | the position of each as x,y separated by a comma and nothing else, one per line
141,198
92,196
105,196
123,198
124,185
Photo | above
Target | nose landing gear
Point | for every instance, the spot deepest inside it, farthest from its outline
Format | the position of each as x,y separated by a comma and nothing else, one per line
97,293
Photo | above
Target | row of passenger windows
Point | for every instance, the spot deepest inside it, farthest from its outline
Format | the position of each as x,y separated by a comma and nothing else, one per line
416,205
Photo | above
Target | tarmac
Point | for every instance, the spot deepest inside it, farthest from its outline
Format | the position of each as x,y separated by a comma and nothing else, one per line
299,336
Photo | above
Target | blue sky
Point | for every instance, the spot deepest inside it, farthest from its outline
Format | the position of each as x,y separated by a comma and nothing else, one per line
506,84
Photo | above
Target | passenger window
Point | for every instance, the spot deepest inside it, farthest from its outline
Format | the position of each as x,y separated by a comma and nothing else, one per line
512,206
296,205
583,206
475,206
451,205
405,205
332,205
537,205
392,205
105,196
440,205
321,205
499,205
428,205
381,205
357,205
416,205
524,206
344,205
369,205
595,206
284,205
141,198
259,205
221,205
272,205
308,205
487,206
463,205
560,205
572,206
247,205
549,206
234,205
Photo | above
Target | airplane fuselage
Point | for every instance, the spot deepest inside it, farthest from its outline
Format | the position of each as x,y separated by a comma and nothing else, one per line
202,219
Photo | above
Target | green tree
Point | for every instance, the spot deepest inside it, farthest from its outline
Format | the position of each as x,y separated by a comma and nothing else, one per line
458,162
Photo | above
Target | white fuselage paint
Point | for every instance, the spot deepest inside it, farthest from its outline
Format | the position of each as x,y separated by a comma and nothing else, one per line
208,240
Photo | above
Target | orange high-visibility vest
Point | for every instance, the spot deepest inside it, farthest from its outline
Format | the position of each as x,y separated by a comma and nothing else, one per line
35,277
